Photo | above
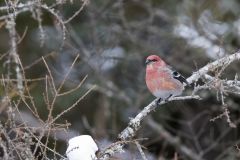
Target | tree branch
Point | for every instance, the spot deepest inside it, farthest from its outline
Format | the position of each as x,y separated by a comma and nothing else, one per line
225,61
135,123
173,140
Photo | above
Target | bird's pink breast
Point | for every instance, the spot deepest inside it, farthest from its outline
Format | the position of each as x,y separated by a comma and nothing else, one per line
159,80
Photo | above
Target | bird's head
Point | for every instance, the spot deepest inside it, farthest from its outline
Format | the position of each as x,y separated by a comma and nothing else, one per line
154,60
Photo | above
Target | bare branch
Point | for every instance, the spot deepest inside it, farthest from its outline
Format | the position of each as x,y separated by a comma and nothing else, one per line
141,151
135,124
175,141
13,55
213,66
85,2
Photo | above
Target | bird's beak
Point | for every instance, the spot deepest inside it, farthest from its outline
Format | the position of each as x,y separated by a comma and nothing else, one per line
147,61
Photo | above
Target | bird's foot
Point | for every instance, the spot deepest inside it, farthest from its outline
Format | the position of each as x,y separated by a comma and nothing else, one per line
166,100
158,101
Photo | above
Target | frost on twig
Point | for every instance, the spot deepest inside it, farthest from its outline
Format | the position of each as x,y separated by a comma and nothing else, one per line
11,11
225,61
13,55
135,124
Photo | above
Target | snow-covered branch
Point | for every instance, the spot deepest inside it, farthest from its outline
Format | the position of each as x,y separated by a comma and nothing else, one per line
225,61
135,123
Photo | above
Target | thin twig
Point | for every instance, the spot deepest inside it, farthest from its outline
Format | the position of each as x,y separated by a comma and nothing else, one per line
72,106
85,2
140,150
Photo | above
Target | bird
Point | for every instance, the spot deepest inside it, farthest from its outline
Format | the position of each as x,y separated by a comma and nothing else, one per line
81,148
162,80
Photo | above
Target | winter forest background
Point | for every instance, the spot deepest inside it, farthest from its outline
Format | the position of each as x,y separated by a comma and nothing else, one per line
72,67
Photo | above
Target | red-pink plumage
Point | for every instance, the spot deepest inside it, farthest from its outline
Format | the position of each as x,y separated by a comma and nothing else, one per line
160,79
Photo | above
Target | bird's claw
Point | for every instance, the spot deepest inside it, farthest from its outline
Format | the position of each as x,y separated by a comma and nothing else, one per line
166,100
158,101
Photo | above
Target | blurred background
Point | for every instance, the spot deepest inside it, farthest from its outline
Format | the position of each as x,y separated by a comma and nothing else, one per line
109,41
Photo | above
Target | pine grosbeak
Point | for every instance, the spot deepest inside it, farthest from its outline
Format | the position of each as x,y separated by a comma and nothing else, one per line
162,81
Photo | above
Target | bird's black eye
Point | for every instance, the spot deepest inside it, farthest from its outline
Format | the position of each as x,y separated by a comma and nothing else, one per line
154,60
176,74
